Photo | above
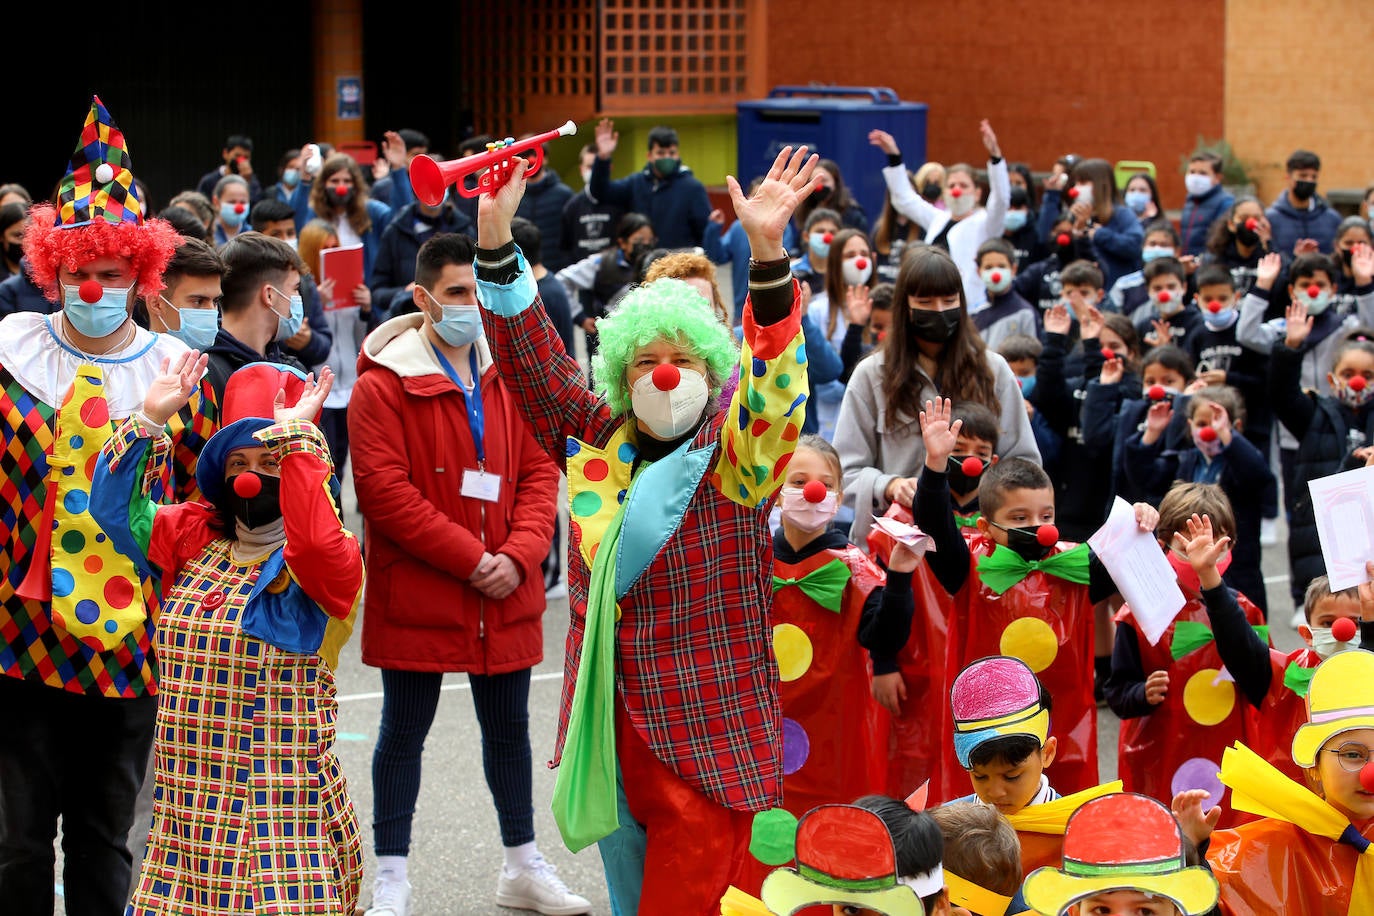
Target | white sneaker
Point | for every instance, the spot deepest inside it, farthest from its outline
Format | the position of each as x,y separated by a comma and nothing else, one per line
537,887
1269,532
1299,618
390,896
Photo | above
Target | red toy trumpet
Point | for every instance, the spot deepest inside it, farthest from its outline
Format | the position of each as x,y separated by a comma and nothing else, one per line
430,178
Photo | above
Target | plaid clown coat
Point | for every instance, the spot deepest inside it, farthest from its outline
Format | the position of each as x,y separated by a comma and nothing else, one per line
694,663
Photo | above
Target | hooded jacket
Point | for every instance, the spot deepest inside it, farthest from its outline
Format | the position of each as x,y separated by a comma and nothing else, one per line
1289,224
411,444
677,206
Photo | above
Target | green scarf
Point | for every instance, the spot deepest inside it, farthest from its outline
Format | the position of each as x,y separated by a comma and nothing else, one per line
1298,678
1190,635
1004,567
823,585
584,791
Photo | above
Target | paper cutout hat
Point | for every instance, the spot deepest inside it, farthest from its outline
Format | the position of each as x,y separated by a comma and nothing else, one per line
99,212
1340,698
247,409
845,857
996,697
1122,841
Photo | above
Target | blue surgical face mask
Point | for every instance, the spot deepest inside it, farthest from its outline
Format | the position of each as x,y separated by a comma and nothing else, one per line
1154,251
100,318
289,324
291,177
820,248
1015,220
1315,305
198,326
461,324
230,216
1027,383
1138,201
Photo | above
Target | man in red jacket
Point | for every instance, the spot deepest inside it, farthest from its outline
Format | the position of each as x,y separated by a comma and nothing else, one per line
459,507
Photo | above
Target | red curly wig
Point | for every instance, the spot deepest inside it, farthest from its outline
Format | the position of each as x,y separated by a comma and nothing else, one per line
48,248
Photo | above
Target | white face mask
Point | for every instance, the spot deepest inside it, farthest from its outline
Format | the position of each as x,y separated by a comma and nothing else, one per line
854,275
1197,185
963,204
669,414
1085,194
1326,645
807,516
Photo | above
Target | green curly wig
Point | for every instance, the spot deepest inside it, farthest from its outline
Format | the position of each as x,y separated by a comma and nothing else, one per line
664,309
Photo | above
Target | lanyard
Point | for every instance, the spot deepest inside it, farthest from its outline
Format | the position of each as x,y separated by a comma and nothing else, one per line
476,421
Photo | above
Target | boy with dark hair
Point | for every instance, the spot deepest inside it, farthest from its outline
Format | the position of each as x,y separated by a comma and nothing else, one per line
1175,316
1016,585
1299,214
261,307
1207,201
311,344
1006,313
1039,283
1128,294
238,160
665,190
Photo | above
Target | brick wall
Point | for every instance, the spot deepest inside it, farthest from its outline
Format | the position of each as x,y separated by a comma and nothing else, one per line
1295,78
1119,81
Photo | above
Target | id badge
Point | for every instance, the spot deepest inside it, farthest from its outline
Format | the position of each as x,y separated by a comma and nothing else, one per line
481,485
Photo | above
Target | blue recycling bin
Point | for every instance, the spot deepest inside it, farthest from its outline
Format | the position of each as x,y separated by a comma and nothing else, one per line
833,121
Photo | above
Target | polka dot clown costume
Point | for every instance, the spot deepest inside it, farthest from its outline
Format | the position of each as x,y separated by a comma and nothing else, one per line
670,728
77,679
260,587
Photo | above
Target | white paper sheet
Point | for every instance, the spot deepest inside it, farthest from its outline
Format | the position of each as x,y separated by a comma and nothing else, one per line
1344,506
910,535
1141,572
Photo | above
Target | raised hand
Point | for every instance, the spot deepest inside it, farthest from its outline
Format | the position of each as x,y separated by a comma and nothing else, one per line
1267,271
312,398
394,150
495,211
1202,549
1162,333
1187,808
606,138
1090,323
766,214
1221,422
938,433
172,388
1112,371
990,140
1297,325
1362,263
858,304
1156,421
883,141
716,217
1057,320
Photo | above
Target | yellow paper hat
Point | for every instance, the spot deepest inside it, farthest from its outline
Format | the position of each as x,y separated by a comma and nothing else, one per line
1340,699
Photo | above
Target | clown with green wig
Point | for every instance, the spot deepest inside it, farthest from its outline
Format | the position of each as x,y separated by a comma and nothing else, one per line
670,729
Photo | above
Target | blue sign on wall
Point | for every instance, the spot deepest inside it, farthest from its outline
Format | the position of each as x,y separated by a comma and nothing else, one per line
350,93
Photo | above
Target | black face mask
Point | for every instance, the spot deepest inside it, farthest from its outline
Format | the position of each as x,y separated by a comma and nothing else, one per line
931,191
343,200
637,252
962,483
259,510
1246,236
1303,190
935,327
13,253
1026,542
822,194
1347,255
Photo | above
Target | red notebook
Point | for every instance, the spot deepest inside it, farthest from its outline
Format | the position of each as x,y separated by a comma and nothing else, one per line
345,267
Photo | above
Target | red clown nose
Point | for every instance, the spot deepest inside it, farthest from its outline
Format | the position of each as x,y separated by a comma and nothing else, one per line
240,207
1344,630
1367,777
1214,306
814,491
1047,535
971,467
1107,353
996,278
1252,224
247,485
956,192
666,376
1062,239
1314,291
90,291
1357,383
1207,434
341,190
827,237
1157,392
1164,295
1073,193
860,264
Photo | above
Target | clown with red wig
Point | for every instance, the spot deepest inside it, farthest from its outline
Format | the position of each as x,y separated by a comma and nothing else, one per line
75,633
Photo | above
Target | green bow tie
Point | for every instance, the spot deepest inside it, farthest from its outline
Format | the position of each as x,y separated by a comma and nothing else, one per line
823,585
1005,567
1298,678
967,521
1190,635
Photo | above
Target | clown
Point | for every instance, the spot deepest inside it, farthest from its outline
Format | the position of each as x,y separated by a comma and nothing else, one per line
75,642
670,725
260,586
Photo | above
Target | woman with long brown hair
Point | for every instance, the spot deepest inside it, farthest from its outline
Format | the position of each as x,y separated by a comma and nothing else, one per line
848,274
1099,215
933,351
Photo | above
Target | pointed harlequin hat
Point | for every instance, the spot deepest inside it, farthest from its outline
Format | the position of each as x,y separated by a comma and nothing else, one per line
1121,842
845,857
996,697
247,409
1340,699
98,213
99,183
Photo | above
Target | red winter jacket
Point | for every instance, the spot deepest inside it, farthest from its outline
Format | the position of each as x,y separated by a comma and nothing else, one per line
409,444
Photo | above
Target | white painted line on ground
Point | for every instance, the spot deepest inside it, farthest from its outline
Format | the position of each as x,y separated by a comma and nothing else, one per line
377,694
1274,580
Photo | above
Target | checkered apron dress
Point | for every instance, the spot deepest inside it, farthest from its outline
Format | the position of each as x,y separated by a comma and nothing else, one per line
250,811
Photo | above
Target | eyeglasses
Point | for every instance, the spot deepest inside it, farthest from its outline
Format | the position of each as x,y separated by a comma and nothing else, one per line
1351,756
